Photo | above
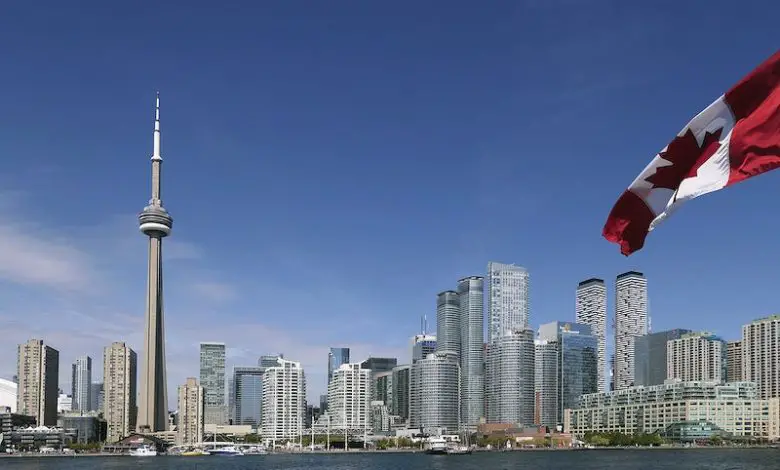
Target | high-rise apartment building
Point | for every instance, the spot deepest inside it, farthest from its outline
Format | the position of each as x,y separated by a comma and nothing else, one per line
509,378
212,379
120,365
472,357
507,299
284,400
401,383
696,357
761,355
448,322
650,356
336,357
38,370
349,397
545,382
435,393
247,395
631,320
81,390
592,310
191,420
734,361
422,345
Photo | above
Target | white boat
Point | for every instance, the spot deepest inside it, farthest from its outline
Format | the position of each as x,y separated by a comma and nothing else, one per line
436,445
143,451
458,450
226,451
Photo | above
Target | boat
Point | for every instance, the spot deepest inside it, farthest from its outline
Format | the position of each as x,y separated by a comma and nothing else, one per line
195,453
436,446
144,451
229,451
458,450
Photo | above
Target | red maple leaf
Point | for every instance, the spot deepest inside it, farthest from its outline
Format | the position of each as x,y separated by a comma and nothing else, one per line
686,156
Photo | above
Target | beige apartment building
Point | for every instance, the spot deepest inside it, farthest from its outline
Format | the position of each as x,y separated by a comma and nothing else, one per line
190,430
38,370
119,384
695,357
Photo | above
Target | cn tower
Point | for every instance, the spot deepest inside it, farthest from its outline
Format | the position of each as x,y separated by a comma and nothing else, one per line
155,223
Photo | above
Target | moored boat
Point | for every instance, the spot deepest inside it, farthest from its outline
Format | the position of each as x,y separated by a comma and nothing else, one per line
228,451
436,445
143,451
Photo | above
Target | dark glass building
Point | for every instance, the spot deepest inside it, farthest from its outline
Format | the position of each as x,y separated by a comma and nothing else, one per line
650,356
379,364
336,357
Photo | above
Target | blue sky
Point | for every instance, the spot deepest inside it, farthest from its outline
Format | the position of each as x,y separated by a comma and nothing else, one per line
331,166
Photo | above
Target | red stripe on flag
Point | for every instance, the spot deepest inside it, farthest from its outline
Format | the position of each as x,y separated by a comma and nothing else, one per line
628,223
755,140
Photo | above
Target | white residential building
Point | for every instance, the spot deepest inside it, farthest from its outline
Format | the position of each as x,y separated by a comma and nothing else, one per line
191,416
507,299
349,398
284,401
631,320
592,310
761,355
696,357
120,365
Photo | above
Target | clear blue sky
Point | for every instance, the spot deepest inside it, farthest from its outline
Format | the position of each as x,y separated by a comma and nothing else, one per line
331,166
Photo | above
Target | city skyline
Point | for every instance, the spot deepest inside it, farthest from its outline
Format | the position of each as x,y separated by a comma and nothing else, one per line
437,113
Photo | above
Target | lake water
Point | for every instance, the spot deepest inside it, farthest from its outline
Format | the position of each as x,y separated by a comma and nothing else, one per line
684,459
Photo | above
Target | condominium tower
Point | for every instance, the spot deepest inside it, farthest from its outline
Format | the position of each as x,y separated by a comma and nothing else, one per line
650,356
38,369
119,381
696,357
630,321
734,361
284,400
761,355
435,393
472,357
191,423
212,379
592,310
448,322
349,397
507,299
509,378
81,384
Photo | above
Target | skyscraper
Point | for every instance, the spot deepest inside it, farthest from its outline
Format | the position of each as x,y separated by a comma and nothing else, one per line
592,310
155,223
448,322
81,384
400,395
509,390
422,345
119,380
96,397
508,307
212,379
630,322
191,423
696,357
435,393
284,400
761,355
650,356
546,382
336,357
734,361
38,387
248,399
472,357
349,397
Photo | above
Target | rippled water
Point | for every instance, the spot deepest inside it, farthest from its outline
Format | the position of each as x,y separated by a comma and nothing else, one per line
688,459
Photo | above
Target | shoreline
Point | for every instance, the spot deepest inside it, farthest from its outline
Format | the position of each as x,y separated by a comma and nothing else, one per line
413,451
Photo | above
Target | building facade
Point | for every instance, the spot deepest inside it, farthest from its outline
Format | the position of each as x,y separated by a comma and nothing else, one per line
448,322
696,357
336,357
509,378
631,321
96,396
545,382
212,379
8,393
284,401
400,399
120,365
247,395
435,393
472,357
507,299
733,407
81,390
191,417
38,370
761,355
422,345
349,398
650,356
734,361
591,310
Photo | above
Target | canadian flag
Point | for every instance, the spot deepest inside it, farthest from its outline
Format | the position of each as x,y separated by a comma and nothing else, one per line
736,137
